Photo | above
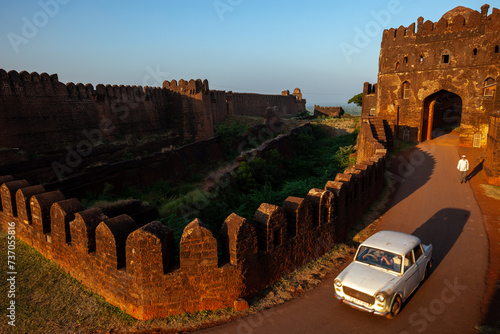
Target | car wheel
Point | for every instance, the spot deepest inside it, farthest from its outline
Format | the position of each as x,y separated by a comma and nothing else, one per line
427,271
395,308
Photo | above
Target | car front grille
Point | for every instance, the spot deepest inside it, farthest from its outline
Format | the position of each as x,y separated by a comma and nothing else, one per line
359,295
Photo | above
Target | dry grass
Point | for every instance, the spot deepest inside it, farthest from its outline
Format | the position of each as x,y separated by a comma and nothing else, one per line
491,191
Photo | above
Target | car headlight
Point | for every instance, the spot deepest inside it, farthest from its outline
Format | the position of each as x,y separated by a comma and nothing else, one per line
338,283
380,297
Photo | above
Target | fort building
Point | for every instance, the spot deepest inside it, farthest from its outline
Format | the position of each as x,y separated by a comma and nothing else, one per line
437,76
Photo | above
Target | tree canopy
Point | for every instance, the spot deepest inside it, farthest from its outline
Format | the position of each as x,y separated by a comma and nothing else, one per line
357,99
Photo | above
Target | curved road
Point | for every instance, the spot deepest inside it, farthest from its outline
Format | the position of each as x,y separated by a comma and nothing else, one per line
428,202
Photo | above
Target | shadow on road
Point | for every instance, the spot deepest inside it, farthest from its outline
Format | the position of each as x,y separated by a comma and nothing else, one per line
442,230
411,168
476,170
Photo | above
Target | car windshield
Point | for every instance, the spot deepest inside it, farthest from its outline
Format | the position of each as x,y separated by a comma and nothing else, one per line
379,258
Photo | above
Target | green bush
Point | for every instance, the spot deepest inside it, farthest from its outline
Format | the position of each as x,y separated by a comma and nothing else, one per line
229,132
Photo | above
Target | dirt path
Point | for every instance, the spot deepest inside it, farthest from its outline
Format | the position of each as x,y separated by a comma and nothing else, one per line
430,203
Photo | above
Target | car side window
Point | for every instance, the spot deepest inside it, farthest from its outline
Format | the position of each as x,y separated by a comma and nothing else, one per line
418,252
408,260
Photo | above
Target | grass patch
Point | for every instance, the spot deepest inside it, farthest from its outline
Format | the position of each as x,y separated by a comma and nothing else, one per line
487,330
491,190
50,301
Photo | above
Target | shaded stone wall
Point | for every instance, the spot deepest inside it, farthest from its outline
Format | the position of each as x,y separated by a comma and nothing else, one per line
256,104
131,263
492,158
369,105
39,113
367,144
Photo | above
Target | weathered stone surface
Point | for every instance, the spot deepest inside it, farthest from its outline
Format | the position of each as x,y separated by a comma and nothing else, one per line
441,76
240,304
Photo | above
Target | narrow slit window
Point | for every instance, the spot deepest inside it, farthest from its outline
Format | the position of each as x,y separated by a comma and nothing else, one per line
405,60
496,49
475,52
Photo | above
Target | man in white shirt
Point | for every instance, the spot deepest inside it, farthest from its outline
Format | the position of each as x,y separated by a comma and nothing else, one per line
463,167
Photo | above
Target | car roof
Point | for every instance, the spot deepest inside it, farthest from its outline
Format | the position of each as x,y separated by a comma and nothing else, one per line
392,241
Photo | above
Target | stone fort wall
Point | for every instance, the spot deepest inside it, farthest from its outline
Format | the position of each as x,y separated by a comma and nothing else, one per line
39,113
459,55
132,264
428,64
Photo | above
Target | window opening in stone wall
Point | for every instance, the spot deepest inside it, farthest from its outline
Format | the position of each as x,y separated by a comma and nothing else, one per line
475,52
445,58
496,49
405,59
489,87
397,65
406,90
477,140
406,134
421,58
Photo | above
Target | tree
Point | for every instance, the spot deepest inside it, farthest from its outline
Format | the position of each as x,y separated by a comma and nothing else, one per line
357,99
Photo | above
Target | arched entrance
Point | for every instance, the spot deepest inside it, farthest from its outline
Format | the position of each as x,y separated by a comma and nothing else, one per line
442,113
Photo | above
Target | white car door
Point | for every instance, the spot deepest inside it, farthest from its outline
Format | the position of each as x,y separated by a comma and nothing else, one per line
411,274
418,254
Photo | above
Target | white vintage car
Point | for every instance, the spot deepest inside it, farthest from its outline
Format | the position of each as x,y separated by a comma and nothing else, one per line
387,268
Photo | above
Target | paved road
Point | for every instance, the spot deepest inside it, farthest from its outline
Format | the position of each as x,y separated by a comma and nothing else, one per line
430,203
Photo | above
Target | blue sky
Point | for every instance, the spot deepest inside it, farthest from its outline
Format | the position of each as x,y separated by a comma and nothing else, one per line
239,45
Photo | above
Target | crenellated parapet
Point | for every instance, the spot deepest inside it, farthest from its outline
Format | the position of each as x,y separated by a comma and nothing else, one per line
462,38
24,84
459,22
191,87
131,263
